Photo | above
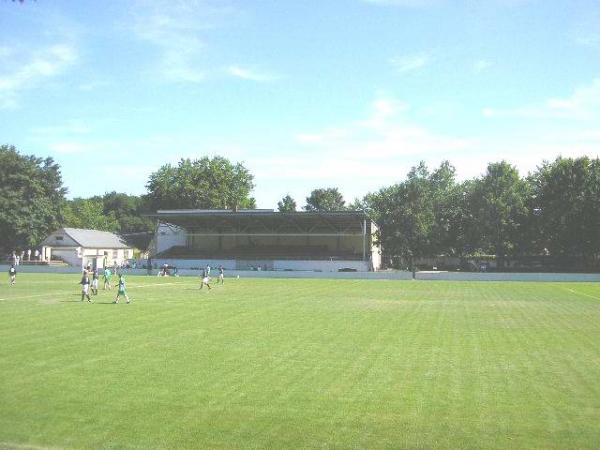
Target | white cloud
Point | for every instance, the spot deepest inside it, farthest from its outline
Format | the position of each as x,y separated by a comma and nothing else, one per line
589,39
409,63
250,74
324,136
582,104
586,30
178,29
366,154
481,65
406,3
363,154
74,147
93,85
69,127
382,110
28,70
429,3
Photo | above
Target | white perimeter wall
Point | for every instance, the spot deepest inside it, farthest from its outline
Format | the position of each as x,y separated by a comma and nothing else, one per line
230,264
230,273
497,276
383,275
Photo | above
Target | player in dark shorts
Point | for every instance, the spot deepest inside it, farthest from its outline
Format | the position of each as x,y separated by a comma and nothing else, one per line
85,286
95,282
205,279
12,273
221,274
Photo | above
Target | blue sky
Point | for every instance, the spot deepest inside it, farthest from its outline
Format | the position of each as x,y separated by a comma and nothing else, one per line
308,94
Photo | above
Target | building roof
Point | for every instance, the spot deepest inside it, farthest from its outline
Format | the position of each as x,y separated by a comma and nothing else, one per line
95,238
164,213
263,221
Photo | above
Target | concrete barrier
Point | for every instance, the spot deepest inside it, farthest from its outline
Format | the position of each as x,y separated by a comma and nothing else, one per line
507,276
383,275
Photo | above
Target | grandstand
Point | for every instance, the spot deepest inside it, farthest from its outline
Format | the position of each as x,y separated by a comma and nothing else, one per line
266,240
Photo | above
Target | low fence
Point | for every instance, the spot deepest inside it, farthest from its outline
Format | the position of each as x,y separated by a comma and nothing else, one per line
506,276
234,273
265,264
383,275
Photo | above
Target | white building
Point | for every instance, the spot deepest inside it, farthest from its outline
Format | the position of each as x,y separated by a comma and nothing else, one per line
79,247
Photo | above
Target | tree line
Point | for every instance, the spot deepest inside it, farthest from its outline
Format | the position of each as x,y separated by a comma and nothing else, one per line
553,211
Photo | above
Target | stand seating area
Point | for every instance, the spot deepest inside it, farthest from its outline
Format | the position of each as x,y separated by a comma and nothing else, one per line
262,252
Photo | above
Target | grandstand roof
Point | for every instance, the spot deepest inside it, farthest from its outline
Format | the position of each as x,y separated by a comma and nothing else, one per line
254,212
267,219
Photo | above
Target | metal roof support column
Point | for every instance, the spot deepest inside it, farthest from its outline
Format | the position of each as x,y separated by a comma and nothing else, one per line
364,230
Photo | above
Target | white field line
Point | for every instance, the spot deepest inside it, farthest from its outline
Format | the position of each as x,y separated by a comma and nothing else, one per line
584,294
25,296
162,284
10,445
135,286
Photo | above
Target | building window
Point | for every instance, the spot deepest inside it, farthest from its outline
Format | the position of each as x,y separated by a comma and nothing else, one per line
126,254
115,254
59,238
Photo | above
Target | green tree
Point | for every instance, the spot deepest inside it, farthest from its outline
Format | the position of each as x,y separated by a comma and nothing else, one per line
201,183
567,207
445,197
31,198
425,215
358,204
404,213
287,204
499,205
87,213
129,211
326,199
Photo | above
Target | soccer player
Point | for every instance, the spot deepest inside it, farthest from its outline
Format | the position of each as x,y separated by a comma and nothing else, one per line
122,290
95,282
207,270
12,273
221,274
85,286
205,279
107,275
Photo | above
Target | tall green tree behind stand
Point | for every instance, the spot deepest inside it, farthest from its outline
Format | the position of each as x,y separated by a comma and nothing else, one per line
325,199
499,207
31,199
129,211
286,204
114,212
88,213
567,205
416,217
201,183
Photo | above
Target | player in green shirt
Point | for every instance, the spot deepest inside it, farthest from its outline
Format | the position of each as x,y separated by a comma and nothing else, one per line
107,275
121,290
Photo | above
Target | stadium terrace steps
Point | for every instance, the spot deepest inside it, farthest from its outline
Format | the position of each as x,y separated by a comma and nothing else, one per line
262,252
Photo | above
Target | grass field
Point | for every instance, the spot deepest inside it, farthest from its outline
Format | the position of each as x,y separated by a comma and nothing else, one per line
262,363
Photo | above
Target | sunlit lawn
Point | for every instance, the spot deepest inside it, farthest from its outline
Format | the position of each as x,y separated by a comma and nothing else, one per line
261,363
